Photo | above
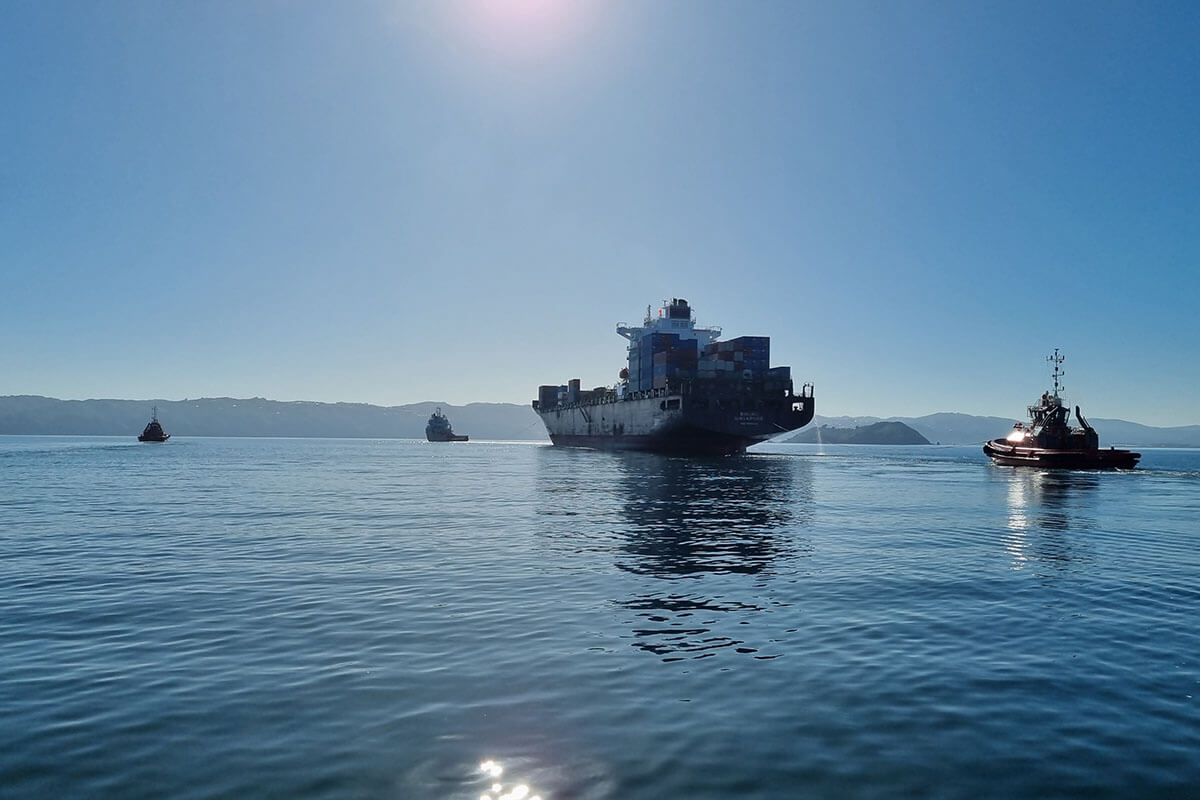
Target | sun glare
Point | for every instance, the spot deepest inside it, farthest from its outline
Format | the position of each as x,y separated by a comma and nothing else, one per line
524,28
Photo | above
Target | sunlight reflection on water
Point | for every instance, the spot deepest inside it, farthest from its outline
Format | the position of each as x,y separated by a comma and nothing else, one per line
1041,507
492,770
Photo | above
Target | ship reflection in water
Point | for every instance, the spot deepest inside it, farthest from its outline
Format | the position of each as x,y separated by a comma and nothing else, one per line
706,527
686,517
1043,506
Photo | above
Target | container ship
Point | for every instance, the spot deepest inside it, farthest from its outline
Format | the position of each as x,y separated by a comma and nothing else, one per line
683,391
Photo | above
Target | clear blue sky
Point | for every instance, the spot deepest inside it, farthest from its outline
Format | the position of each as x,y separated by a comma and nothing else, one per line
391,202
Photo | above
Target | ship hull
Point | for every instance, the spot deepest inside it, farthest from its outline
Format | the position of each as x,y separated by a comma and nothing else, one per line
152,438
446,437
682,423
1005,454
683,440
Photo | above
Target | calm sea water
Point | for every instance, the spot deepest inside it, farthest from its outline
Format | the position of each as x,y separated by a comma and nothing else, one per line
395,619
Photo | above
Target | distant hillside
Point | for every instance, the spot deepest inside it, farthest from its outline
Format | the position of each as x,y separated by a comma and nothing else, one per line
952,428
875,433
1118,432
225,416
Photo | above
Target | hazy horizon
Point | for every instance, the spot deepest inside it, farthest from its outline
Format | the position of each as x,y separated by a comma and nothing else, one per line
826,415
382,202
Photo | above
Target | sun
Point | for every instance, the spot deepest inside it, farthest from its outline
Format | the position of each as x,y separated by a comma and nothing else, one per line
524,28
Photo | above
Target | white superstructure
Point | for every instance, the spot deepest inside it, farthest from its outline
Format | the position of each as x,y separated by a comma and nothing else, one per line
675,316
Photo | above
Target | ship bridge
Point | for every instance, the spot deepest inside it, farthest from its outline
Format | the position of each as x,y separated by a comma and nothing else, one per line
674,317
664,344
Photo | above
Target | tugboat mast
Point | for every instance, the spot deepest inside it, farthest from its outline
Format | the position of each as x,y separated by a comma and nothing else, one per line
1057,360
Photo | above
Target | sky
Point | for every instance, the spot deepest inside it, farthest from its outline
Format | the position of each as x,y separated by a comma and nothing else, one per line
394,202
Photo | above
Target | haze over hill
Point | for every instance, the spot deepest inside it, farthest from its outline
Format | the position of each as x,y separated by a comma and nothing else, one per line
956,428
891,432
225,416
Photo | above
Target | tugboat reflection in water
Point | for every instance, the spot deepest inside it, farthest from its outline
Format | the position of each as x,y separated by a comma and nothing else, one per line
1043,507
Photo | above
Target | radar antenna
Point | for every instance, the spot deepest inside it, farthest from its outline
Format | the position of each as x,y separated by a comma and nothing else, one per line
1057,360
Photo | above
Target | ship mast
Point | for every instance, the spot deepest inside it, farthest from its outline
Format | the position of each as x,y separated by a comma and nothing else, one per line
1057,360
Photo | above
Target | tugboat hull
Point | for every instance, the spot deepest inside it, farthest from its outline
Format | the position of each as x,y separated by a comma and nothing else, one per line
1006,454
441,437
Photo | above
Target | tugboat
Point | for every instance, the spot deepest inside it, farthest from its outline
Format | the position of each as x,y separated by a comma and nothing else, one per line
438,429
1048,440
684,391
154,431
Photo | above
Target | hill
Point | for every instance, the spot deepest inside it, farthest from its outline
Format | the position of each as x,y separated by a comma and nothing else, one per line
875,433
227,416
954,428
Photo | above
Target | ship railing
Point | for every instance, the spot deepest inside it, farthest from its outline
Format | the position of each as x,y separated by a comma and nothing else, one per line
646,394
608,398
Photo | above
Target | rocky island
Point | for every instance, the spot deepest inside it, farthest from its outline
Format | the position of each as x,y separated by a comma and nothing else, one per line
877,433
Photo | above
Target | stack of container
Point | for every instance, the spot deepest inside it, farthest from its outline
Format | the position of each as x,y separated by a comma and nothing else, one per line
777,380
635,367
664,357
745,356
658,360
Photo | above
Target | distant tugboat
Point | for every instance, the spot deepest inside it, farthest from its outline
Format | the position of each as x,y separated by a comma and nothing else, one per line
1049,441
154,431
438,429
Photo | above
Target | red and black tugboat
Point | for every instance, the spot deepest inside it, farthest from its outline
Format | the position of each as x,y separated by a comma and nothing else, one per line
154,430
1048,440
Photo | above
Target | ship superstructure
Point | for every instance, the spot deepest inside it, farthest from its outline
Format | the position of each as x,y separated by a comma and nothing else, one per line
683,390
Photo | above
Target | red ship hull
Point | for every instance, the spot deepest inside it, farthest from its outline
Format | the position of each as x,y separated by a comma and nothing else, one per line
1007,454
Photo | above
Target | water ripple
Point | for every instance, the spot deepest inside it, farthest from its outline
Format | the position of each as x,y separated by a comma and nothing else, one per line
377,619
